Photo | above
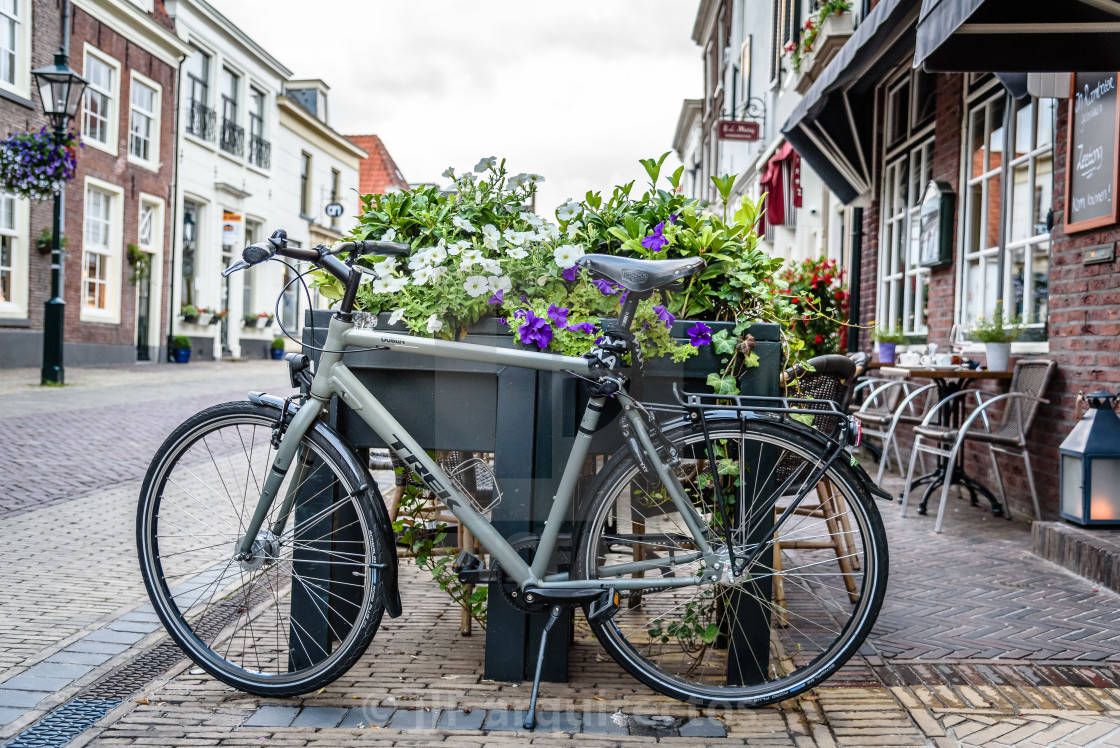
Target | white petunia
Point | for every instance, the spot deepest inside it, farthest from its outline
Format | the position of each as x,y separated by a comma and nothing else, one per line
573,229
396,316
533,179
490,236
532,218
517,253
386,267
568,210
500,282
381,285
552,231
468,259
462,224
487,163
389,235
449,172
396,284
567,254
454,248
434,324
427,273
489,266
476,285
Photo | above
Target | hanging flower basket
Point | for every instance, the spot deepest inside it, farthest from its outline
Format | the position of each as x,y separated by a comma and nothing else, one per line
35,165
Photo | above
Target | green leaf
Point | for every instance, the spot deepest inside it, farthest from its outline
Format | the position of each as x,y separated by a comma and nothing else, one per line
723,385
675,180
723,343
653,168
709,634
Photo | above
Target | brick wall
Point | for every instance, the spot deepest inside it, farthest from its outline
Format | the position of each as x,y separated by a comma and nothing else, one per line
131,178
378,172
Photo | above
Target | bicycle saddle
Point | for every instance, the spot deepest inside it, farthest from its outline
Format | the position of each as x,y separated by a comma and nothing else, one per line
641,275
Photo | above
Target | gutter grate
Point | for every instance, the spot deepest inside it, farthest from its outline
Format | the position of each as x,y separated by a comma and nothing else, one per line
63,724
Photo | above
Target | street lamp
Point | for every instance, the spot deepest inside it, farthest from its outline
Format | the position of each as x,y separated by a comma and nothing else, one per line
60,92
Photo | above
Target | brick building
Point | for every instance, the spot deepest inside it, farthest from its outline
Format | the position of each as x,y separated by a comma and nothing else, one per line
115,221
880,129
377,172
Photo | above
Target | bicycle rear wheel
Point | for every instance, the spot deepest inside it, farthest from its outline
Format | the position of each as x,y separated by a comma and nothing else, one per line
801,610
303,609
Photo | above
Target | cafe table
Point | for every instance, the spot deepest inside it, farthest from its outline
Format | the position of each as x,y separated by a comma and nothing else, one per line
949,380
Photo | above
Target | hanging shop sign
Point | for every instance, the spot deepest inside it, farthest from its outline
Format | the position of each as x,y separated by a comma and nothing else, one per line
334,210
233,225
738,130
935,224
1094,134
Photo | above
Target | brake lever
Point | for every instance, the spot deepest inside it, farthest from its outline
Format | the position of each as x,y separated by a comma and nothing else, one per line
239,265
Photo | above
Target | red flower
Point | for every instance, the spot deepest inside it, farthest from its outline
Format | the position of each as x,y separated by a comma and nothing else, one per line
818,339
794,300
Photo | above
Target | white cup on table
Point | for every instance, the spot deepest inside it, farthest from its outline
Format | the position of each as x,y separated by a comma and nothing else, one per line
909,358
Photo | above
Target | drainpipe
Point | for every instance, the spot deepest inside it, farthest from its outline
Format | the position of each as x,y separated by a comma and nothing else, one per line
854,279
174,212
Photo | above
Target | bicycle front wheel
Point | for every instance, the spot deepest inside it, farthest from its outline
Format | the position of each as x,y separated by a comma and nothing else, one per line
303,608
799,611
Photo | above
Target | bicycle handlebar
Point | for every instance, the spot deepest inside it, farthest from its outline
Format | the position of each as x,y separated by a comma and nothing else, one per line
324,257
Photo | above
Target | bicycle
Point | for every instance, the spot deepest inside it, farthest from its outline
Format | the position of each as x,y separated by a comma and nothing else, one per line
698,565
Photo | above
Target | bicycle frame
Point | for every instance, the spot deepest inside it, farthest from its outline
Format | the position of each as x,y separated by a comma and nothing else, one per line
332,377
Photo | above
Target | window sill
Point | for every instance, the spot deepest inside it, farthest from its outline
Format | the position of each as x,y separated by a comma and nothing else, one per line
1026,348
17,319
239,160
258,169
17,96
149,165
103,147
201,143
99,317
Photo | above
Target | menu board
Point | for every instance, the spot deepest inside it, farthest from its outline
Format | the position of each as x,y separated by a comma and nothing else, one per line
1094,129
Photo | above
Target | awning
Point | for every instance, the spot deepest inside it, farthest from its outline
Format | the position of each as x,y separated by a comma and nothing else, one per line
1020,36
832,126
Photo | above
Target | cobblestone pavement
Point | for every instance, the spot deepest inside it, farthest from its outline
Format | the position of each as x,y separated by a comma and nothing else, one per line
979,642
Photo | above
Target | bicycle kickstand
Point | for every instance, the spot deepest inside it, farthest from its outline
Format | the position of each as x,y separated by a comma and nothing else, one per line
531,715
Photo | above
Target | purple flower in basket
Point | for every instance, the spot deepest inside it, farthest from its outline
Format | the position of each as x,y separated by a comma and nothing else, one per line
558,315
656,241
499,297
535,329
605,287
664,315
570,274
583,327
699,334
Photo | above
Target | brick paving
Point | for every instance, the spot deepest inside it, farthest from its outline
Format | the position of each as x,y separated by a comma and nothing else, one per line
979,642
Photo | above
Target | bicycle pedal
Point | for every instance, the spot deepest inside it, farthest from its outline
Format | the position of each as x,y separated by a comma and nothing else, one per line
604,608
469,569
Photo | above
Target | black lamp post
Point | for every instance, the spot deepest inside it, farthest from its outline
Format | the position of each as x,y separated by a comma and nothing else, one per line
60,92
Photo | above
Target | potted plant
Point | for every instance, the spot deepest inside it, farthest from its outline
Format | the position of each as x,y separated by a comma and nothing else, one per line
44,242
887,340
217,317
180,349
140,260
816,289
189,313
277,349
205,315
997,333
264,320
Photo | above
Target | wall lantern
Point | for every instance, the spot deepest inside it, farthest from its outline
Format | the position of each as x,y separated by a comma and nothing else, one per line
60,91
1090,465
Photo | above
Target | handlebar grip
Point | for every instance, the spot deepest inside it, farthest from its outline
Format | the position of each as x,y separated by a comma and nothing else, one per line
255,253
373,247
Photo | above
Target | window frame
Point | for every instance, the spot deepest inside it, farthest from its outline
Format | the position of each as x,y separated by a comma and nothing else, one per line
156,121
111,312
305,166
336,185
112,126
21,55
154,249
18,235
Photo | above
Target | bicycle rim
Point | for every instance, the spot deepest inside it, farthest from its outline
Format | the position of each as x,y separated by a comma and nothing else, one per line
804,605
300,611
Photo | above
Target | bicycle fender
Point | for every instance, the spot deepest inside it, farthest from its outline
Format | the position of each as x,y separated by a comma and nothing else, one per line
390,591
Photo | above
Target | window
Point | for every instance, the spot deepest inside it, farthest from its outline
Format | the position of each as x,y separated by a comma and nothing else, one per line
903,285
259,148
191,213
252,231
335,177
13,48
8,239
99,103
1013,267
305,184
785,28
289,303
233,135
96,250
146,229
143,123
984,166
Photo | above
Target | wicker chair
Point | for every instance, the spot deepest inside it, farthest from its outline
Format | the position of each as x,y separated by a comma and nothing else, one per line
832,379
1028,384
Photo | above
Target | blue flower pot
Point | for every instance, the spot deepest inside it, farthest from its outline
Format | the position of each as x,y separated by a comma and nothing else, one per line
276,353
181,355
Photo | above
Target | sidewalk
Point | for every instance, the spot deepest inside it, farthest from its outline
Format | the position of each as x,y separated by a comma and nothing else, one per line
979,642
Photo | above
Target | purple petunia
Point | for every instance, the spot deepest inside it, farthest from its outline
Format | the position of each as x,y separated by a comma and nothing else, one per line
558,315
664,315
656,241
673,217
499,297
535,330
605,287
699,334
622,299
583,327
570,274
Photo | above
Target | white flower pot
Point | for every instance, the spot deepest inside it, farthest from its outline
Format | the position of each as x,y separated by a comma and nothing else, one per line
204,318
998,356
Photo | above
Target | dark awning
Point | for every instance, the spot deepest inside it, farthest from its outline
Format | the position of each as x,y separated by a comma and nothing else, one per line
832,126
1023,36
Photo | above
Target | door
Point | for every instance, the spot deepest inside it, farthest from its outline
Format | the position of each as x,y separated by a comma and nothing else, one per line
143,312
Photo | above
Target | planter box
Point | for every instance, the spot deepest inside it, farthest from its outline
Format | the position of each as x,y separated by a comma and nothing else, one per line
528,419
833,34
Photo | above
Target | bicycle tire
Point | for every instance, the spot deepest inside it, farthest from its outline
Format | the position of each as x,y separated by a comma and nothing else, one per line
796,657
244,633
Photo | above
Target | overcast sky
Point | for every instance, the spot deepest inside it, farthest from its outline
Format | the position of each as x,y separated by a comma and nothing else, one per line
577,91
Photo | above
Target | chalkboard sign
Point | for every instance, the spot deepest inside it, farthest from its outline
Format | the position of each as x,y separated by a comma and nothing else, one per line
1094,132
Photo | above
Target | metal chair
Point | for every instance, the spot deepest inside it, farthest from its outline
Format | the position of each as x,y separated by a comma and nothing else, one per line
891,403
1028,384
833,379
